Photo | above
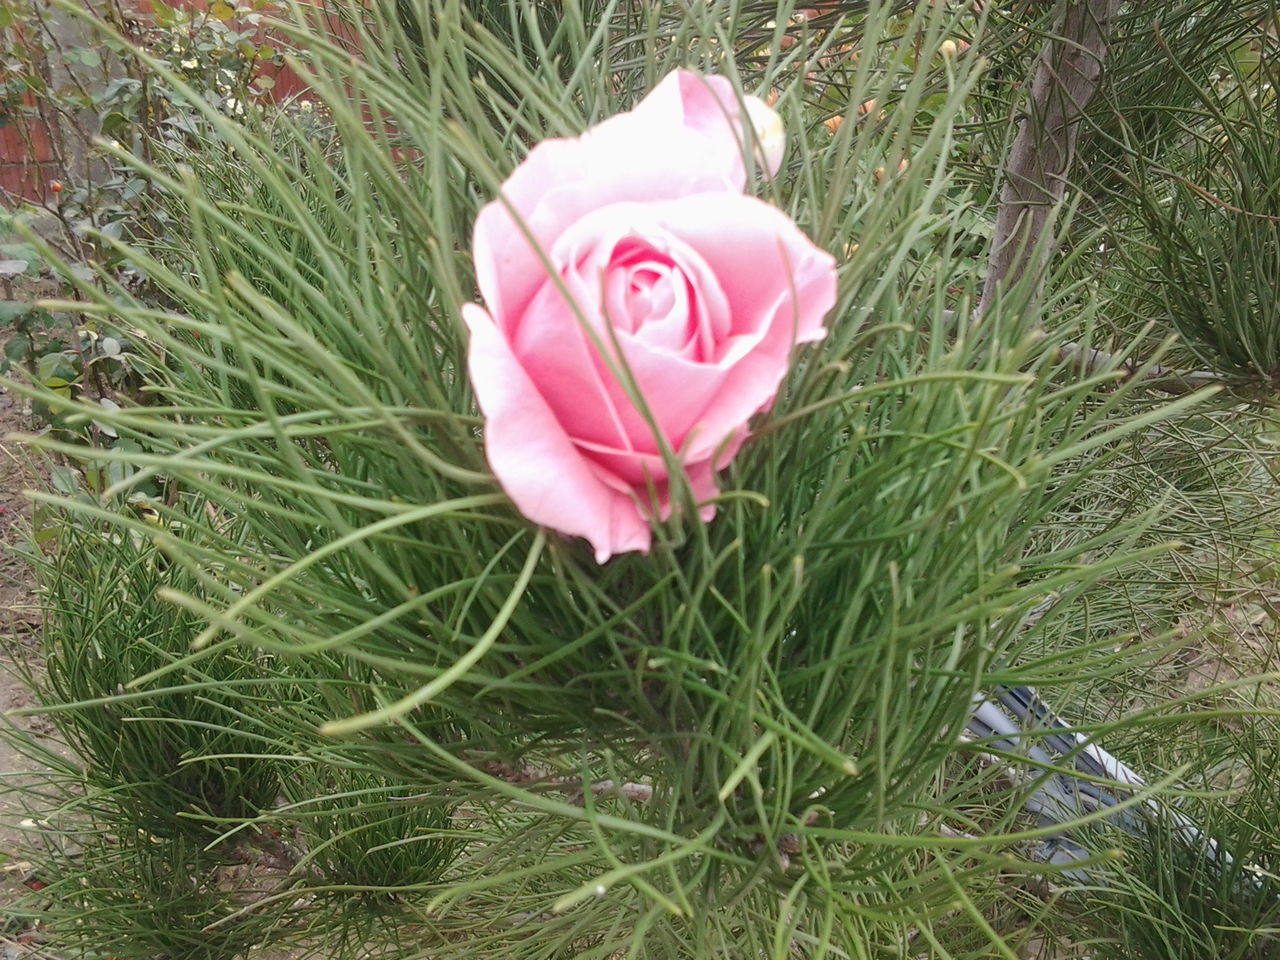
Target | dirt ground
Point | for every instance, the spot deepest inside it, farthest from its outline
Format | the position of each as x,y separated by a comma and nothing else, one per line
19,616
19,619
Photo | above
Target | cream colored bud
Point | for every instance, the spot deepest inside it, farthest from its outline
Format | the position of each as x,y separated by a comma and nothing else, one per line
771,135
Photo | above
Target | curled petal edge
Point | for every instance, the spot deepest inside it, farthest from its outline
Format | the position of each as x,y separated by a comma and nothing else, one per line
537,464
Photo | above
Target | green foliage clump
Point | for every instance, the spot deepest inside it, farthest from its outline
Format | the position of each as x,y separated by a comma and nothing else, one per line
360,829
129,897
329,622
1181,171
174,753
1211,260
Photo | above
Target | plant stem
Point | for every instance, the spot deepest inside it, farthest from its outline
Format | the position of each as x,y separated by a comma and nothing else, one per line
1156,377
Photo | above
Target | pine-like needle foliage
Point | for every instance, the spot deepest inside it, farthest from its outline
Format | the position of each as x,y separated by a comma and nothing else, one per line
745,744
173,758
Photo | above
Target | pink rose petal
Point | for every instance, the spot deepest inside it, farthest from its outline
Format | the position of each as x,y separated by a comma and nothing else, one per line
631,255
535,461
677,141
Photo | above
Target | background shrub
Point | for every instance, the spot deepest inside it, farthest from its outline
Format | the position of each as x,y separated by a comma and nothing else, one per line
473,741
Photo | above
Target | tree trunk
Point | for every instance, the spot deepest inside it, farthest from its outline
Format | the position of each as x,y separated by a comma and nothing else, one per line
1065,79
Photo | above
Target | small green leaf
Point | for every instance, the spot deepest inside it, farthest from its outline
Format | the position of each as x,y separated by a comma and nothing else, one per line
113,123
164,15
17,349
65,480
120,90
19,251
12,311
44,534
56,370
85,56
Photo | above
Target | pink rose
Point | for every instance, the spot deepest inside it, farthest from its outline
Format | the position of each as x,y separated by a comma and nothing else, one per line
671,272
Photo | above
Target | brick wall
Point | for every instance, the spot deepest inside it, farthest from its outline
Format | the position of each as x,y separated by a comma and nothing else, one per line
26,160
27,156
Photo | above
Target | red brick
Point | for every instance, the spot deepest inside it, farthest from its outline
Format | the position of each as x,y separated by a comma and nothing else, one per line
29,181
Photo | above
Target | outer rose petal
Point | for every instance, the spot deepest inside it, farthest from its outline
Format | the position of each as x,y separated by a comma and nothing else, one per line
628,471
710,105
706,104
683,138
546,477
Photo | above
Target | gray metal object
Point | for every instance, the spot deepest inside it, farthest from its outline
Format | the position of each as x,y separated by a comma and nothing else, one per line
1070,777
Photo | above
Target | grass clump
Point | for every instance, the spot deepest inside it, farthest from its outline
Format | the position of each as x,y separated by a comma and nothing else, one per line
138,897
176,753
745,743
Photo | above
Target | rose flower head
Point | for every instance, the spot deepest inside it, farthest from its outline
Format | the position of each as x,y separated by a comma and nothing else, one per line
629,261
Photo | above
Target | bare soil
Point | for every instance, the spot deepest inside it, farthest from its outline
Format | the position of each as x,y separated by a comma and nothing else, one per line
19,612
20,625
